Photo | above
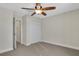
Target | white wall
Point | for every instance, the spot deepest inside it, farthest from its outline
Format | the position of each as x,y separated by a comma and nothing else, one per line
32,30
24,30
62,29
6,30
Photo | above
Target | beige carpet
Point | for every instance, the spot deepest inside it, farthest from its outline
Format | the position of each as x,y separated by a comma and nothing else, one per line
41,49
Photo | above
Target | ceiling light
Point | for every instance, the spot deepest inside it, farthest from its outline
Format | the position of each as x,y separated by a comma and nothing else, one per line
38,11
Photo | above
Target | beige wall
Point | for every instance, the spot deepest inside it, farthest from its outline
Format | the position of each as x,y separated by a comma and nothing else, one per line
62,29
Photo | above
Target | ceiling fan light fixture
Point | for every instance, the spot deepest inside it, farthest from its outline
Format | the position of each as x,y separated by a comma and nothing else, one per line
38,11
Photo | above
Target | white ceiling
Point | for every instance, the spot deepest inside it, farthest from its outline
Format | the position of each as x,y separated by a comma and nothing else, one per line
60,8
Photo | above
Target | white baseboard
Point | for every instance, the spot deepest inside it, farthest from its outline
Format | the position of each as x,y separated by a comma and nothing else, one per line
32,43
6,50
28,44
67,46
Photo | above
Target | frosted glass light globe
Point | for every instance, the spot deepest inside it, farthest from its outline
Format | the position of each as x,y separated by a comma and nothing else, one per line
38,11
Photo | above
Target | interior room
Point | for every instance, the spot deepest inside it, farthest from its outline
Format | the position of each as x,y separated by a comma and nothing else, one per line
39,29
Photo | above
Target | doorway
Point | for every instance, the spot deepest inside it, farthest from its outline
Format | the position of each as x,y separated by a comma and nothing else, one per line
16,32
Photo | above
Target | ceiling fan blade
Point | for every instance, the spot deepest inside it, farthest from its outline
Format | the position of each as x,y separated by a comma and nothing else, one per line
33,13
43,13
28,8
49,8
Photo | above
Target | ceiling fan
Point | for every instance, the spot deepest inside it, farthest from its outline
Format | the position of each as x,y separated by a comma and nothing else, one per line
39,10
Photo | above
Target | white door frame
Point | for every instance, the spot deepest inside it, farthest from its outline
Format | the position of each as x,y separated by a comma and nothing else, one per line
14,40
14,33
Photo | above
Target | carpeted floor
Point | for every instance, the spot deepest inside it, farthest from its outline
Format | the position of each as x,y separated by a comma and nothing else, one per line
41,49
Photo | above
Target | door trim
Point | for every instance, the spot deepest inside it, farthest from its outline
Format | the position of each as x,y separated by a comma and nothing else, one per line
14,40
